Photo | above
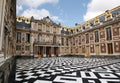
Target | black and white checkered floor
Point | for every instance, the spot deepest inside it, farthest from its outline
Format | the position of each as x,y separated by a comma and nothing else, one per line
68,70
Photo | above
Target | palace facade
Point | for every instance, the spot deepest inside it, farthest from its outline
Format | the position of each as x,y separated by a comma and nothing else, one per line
44,38
7,29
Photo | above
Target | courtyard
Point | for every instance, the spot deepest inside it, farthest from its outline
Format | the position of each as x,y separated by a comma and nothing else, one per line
68,70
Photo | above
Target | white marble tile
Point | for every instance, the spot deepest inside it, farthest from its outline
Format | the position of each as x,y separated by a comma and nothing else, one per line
42,81
107,75
110,80
91,81
58,79
83,75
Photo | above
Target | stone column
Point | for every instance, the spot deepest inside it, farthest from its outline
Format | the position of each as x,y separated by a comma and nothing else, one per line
2,11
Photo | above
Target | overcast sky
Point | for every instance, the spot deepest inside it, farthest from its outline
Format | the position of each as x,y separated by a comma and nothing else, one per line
66,12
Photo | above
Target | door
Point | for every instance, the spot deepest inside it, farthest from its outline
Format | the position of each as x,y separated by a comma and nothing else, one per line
110,48
48,51
56,51
40,50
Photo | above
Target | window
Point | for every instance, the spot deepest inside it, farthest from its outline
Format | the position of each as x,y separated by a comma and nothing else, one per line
108,33
67,32
39,38
28,38
96,36
18,36
87,38
79,40
77,30
62,40
54,39
71,31
62,31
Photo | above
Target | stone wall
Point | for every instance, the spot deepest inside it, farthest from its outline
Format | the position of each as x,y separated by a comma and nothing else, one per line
6,71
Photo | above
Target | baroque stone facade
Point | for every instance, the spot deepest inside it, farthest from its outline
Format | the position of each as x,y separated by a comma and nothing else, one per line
7,28
44,38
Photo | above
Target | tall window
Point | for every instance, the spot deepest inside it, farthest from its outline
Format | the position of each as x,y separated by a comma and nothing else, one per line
79,40
62,40
109,33
96,36
87,38
39,38
67,32
54,39
18,36
27,37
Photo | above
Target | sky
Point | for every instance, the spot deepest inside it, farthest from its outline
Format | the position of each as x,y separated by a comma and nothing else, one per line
66,12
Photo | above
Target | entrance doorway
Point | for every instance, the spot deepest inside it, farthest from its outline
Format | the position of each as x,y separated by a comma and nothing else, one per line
40,52
110,48
48,51
56,51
